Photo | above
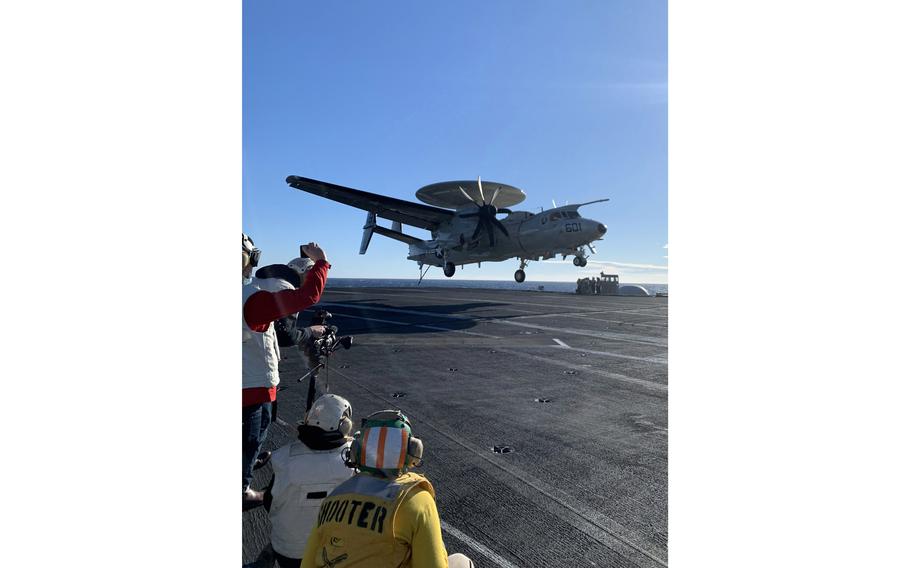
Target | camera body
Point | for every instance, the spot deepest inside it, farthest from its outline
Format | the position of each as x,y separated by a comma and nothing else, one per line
318,349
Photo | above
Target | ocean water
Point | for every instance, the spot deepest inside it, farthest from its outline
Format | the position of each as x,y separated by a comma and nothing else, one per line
559,287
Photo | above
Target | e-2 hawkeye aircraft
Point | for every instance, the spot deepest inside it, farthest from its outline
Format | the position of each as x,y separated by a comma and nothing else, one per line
456,220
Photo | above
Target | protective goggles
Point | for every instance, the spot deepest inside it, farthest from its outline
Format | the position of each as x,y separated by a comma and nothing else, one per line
250,249
254,257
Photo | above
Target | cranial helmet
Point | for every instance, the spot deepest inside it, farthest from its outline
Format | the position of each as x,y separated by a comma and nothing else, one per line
281,272
301,265
384,445
330,413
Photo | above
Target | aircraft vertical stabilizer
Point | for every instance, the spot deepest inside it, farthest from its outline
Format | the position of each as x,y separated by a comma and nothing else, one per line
367,232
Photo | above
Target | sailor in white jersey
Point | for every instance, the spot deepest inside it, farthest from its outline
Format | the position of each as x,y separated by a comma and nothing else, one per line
305,472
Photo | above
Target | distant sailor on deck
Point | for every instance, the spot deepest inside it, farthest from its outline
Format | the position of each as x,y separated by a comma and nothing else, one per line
262,305
383,517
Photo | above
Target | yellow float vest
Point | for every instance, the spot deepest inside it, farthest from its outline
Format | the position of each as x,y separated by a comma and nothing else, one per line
355,525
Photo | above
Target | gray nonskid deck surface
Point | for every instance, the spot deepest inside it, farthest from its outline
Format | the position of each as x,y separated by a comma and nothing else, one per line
586,484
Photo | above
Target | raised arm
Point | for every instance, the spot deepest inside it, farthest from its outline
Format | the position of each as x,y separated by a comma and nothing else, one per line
262,308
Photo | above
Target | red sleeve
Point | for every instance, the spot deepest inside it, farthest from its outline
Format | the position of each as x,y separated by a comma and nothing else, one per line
262,308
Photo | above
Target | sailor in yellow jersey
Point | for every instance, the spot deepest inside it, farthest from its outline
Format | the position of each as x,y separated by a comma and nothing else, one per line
383,517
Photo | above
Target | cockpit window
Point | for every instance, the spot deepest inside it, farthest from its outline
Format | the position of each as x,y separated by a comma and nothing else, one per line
554,216
572,214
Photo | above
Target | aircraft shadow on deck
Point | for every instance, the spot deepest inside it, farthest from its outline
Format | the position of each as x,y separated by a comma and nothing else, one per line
369,317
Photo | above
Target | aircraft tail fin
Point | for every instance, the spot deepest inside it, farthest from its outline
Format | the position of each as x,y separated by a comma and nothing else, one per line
368,232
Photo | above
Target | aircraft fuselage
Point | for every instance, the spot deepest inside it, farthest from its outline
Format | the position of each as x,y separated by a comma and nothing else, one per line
531,236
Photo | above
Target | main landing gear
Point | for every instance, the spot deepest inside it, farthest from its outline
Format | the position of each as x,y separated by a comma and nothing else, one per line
580,261
520,273
448,270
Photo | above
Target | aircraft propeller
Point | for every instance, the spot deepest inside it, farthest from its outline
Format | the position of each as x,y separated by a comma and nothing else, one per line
486,213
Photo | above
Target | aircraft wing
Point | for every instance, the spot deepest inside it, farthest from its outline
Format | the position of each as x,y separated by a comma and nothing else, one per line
407,212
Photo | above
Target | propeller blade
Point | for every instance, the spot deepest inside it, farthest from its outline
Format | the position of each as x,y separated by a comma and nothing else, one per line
554,203
501,227
469,215
495,193
471,199
477,229
480,187
489,227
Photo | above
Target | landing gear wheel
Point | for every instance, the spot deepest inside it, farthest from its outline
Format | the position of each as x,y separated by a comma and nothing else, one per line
449,270
576,261
583,262
519,276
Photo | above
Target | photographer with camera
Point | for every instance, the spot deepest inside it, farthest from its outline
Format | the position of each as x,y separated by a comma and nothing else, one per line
264,301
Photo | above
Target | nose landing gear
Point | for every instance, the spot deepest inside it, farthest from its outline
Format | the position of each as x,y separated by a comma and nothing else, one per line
581,259
448,269
520,273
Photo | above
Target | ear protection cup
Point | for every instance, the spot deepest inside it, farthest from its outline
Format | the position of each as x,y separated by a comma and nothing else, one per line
350,455
415,452
345,426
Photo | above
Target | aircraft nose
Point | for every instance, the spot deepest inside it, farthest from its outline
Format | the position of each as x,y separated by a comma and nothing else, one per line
601,229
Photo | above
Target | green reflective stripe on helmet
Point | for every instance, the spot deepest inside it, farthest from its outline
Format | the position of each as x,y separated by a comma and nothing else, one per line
387,423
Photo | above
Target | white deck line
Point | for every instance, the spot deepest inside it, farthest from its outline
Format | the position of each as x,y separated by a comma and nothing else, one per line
656,360
650,385
486,552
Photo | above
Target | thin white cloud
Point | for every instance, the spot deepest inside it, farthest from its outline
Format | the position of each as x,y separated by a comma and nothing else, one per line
614,264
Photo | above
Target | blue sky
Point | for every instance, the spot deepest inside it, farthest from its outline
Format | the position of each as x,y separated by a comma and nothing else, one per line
566,100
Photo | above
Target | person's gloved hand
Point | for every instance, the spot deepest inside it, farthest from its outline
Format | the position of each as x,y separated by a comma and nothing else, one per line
314,251
309,334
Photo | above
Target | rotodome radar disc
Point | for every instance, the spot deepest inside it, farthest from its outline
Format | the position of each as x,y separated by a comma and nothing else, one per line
446,194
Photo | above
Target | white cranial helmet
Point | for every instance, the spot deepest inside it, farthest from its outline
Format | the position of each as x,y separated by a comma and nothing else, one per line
330,413
301,265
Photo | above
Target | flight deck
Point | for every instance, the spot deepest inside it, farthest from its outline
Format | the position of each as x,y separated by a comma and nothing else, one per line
543,415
